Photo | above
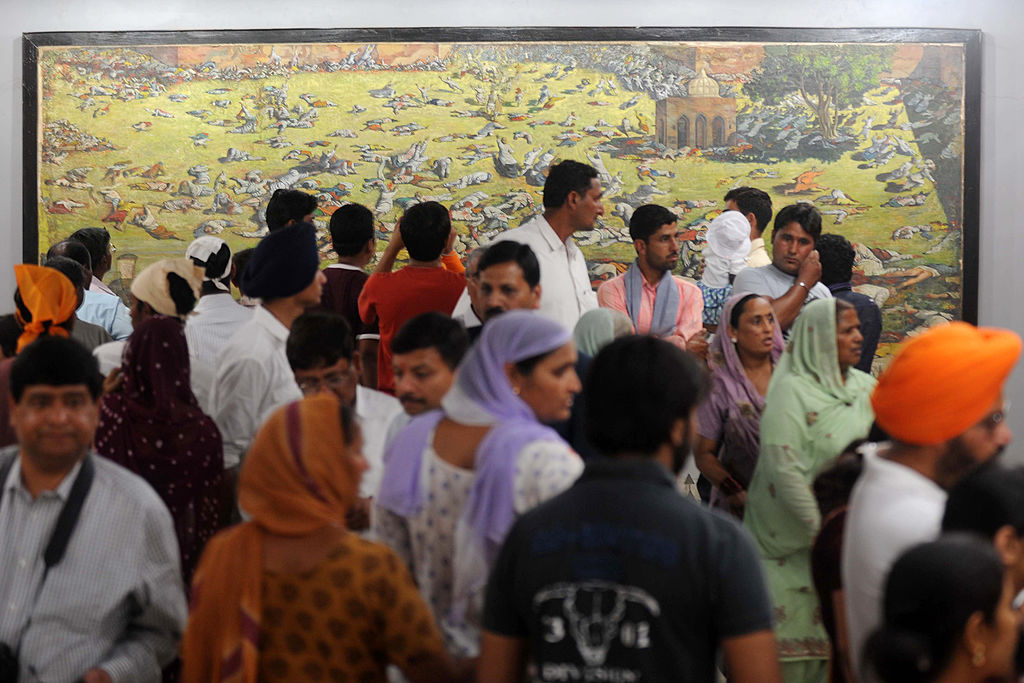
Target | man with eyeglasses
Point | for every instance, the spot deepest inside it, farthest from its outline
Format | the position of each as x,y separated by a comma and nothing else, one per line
941,402
322,354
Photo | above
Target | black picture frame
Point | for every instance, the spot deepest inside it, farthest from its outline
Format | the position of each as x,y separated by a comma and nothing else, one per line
970,40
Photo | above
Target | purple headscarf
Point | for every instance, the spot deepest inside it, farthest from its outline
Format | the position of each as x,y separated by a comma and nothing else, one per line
481,395
734,396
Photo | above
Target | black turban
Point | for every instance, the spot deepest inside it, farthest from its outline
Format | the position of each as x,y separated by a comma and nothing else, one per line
283,264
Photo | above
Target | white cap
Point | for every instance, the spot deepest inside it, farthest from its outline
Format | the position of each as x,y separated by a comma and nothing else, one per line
201,249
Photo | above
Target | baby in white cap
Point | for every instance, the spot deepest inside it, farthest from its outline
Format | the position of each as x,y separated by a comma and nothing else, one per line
728,243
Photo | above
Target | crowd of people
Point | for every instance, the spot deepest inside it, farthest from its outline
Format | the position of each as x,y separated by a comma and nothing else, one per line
461,471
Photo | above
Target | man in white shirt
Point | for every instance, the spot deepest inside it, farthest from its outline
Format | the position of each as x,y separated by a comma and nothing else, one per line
322,354
253,376
793,277
756,207
941,402
572,203
217,316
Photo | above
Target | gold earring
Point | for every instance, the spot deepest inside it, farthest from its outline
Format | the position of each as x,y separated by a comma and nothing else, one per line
978,658
515,390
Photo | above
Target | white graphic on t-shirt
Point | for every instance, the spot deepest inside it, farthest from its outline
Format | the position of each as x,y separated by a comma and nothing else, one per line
595,629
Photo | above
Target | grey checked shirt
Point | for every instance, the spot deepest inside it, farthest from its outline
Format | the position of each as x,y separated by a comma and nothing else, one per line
115,601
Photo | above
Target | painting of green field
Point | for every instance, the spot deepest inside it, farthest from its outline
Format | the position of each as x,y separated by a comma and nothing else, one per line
163,143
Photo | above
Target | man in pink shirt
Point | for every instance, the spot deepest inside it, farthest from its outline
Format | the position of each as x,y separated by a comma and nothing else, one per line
656,301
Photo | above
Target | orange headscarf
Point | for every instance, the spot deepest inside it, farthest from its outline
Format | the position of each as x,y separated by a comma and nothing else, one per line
296,479
943,381
50,298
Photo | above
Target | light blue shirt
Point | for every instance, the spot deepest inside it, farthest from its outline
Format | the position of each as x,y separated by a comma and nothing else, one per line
107,311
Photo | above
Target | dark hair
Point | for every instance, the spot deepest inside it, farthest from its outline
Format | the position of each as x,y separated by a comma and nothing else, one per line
985,501
931,592
833,486
526,366
755,201
76,251
71,269
842,305
806,215
432,331
10,331
181,294
319,338
508,251
55,361
351,229
565,177
216,264
285,205
425,228
648,219
96,240
635,390
241,260
738,308
837,255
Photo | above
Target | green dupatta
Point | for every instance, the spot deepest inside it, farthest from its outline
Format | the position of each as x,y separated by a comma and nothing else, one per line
810,416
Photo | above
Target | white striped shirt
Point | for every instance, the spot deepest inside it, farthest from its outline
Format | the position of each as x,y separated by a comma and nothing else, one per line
116,600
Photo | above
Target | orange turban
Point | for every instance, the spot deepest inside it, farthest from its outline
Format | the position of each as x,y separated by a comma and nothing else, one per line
50,299
943,381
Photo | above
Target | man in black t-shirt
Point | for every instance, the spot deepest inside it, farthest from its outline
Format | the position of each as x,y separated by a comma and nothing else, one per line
621,578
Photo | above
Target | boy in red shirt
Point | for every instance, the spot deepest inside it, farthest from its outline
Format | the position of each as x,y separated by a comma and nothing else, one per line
391,299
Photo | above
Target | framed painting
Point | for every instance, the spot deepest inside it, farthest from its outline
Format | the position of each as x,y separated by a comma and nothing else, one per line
164,136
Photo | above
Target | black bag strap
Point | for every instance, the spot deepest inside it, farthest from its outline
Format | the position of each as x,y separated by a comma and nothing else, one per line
4,471
66,522
68,518
69,513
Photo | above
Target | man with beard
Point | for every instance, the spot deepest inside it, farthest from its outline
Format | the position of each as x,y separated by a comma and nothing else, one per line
941,402
656,301
592,583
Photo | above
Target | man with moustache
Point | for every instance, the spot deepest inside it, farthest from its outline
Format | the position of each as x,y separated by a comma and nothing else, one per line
594,581
572,203
793,278
426,351
656,301
510,279
941,402
322,353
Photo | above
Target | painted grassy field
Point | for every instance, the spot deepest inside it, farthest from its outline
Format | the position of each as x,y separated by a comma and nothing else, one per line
163,122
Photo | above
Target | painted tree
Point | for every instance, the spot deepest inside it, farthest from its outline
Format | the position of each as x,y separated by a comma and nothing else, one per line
829,78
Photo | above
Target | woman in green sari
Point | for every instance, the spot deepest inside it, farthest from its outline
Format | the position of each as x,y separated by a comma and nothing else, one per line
817,403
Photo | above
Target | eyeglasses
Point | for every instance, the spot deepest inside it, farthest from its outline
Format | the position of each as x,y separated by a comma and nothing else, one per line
993,420
335,380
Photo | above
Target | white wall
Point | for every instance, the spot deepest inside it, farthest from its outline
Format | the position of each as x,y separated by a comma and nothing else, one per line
1002,173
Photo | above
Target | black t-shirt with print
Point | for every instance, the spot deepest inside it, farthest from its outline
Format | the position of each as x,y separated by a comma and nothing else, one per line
623,579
